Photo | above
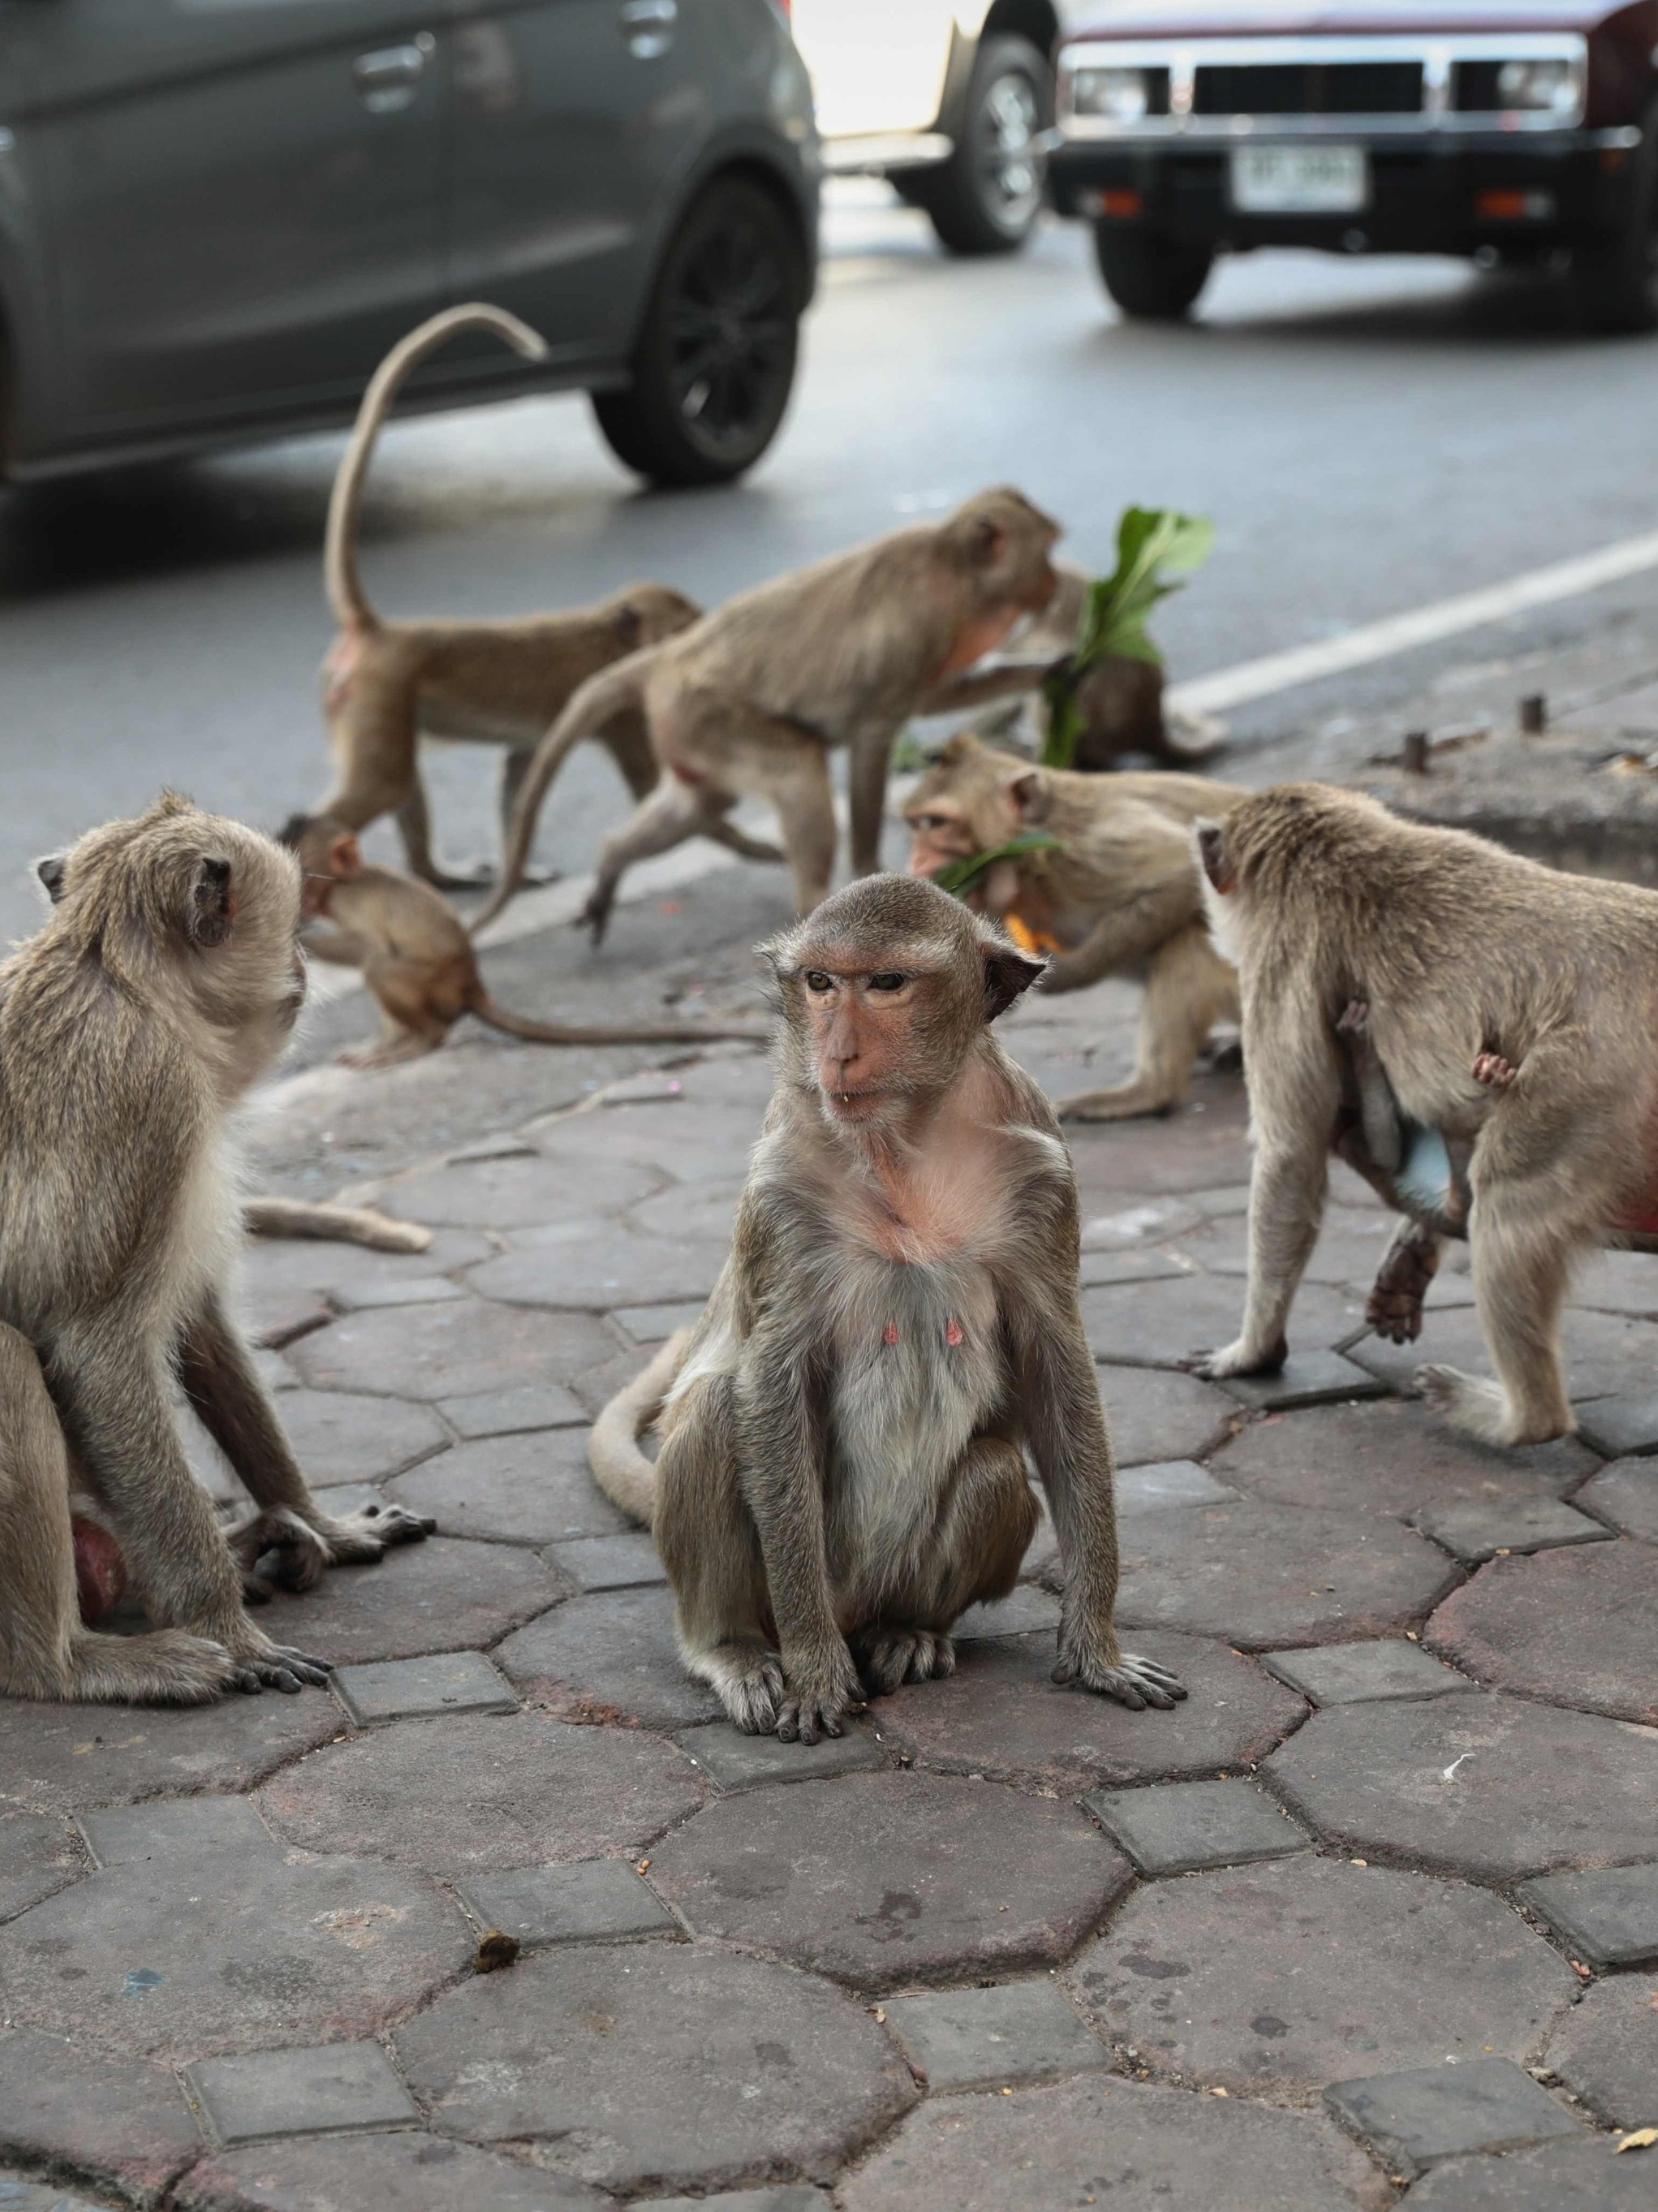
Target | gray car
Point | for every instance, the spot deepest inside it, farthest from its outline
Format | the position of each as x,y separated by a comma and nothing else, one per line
216,216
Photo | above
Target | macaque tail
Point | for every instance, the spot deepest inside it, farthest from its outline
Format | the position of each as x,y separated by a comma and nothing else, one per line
589,707
344,1225
344,586
620,1468
519,1025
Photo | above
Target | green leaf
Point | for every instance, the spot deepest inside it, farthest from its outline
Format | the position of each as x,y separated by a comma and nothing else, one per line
960,876
1152,542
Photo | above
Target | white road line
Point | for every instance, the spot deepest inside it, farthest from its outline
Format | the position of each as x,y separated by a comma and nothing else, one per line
1305,664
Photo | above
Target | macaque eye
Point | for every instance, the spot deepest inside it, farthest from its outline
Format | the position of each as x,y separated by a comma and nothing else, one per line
890,980
930,822
816,981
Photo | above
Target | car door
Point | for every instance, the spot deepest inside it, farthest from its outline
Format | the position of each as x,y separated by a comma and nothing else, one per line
245,199
571,119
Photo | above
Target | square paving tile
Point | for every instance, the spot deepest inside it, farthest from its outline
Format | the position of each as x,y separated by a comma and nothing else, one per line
793,2197
510,1412
1474,1533
1626,1493
1621,1427
126,1835
608,1563
1608,1917
1357,1674
1101,1270
595,1901
1168,1482
1306,1378
732,1762
444,1682
1176,1828
980,2038
1414,2120
272,2093
650,1324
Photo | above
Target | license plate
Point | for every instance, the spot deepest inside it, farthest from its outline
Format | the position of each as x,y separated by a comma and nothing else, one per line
1300,179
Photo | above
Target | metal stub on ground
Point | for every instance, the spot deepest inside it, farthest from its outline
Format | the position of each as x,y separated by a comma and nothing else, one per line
1414,755
1533,714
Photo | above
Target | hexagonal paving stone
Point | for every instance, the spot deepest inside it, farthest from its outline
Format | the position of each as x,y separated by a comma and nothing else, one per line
1585,2176
609,1657
467,1792
680,1142
39,1855
598,1269
214,1952
1389,1457
449,1351
61,1758
442,1596
528,1489
1156,1414
506,1193
340,1435
123,2126
1308,1970
404,2172
320,1264
704,1214
1491,1787
509,1412
1626,1494
1580,1627
1127,2145
1264,1574
885,1878
1001,1715
633,2069
1606,2050
1604,1353
1161,1324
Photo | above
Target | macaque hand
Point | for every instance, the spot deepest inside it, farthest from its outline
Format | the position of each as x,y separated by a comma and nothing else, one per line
256,1664
1130,1679
1240,1357
822,1688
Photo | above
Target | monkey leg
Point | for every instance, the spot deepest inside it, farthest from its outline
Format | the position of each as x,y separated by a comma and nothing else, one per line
674,811
1408,1266
45,1652
739,842
415,828
729,748
410,1025
1521,1262
514,767
1188,989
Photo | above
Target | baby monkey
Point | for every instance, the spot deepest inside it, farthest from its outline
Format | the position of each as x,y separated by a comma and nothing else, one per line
893,1342
418,961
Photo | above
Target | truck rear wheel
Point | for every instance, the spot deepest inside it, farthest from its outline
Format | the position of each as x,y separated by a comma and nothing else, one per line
1615,283
986,199
1152,278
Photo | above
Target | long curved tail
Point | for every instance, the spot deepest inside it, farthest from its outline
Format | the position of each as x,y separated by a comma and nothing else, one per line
620,1468
345,1225
588,709
519,1025
344,585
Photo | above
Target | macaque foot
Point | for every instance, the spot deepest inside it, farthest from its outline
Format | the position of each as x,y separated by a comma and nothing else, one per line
1131,1681
748,1680
359,1539
888,1656
1238,1358
256,1663
818,1694
1393,1309
1481,1409
1494,1072
166,1668
1125,1104
595,916
388,1056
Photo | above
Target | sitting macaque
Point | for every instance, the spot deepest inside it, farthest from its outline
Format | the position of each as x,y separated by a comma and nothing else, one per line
1473,1031
1116,892
1120,699
846,1432
753,698
418,961
386,683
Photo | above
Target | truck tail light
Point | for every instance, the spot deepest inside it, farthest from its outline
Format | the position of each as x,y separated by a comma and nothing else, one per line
1514,206
1114,204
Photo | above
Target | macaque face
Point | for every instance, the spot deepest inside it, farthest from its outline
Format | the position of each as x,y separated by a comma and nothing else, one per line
939,833
863,1027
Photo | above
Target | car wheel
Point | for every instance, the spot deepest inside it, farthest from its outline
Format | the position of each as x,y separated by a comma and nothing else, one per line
715,364
986,199
1150,276
1615,283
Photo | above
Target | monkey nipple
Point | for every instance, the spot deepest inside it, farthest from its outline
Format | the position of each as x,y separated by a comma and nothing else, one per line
889,1333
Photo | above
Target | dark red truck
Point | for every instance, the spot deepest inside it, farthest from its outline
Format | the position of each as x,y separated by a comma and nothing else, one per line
1517,131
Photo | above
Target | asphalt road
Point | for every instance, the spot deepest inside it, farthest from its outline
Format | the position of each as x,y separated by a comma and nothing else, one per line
1368,436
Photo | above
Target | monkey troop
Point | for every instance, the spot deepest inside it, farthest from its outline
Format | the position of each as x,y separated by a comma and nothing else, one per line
166,980
843,1463
1474,1031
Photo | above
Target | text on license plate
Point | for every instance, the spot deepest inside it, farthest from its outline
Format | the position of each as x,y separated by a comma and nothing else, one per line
1300,179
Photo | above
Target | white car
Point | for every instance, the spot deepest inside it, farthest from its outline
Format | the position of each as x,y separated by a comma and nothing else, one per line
948,99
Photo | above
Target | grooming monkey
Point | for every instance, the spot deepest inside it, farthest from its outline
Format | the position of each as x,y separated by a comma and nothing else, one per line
165,980
845,1433
418,961
1117,891
1510,1009
502,682
751,698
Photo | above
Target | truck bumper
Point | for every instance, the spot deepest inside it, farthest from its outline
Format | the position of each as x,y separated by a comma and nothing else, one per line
1452,197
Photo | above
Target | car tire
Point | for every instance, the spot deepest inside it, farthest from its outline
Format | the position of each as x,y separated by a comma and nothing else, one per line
1151,276
1614,283
714,366
986,197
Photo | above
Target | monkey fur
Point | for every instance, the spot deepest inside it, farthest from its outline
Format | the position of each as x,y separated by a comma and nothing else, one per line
385,684
165,980
1120,698
1118,892
1509,1007
845,1434
418,961
751,699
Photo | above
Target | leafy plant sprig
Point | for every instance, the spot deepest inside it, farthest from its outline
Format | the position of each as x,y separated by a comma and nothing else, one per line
1151,542
960,876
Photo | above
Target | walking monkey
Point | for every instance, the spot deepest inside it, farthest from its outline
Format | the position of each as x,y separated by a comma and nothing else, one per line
845,1433
1117,891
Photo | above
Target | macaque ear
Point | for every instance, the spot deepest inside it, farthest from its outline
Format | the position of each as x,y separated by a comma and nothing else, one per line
51,872
985,540
344,857
211,910
1008,974
1030,794
628,622
1210,840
